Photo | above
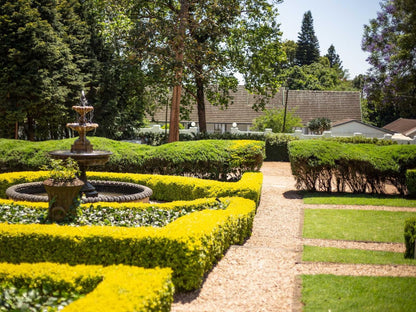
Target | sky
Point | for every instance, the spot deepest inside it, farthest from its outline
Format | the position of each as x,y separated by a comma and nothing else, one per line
337,22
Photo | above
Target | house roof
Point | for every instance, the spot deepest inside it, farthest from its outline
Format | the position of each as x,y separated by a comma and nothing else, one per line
334,105
346,121
403,126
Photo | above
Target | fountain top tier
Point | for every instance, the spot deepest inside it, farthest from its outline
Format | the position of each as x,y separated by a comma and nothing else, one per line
82,145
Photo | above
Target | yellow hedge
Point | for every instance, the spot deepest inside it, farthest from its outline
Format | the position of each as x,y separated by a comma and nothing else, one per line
114,288
165,188
190,245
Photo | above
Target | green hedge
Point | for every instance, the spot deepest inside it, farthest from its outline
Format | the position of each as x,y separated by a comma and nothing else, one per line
411,182
114,288
277,146
410,237
213,159
320,165
190,245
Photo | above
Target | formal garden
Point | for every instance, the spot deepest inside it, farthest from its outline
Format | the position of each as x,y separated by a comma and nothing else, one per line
103,224
135,256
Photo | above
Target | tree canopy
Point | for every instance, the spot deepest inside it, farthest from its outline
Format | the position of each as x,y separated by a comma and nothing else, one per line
50,50
390,85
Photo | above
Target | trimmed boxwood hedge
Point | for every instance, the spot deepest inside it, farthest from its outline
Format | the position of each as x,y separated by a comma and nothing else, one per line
114,288
190,245
410,238
411,182
165,188
320,165
213,159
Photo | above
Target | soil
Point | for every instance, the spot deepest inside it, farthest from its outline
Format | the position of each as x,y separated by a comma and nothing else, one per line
263,273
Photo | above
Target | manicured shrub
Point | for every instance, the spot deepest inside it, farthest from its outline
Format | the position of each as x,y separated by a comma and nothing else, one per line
319,125
321,165
410,238
360,139
114,288
276,146
213,159
411,182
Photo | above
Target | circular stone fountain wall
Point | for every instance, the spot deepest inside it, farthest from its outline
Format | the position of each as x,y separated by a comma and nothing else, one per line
109,191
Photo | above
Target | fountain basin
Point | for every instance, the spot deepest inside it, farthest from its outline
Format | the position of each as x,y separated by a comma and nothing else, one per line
108,191
94,158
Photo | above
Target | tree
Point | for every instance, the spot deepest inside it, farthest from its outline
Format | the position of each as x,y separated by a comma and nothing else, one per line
307,51
316,76
38,71
228,41
390,38
333,57
289,47
274,119
196,47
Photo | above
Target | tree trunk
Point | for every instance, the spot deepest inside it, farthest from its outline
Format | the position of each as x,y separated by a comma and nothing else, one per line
200,99
30,129
177,89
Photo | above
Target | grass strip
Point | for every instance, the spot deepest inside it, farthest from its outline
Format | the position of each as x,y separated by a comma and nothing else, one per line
318,198
363,293
355,225
358,256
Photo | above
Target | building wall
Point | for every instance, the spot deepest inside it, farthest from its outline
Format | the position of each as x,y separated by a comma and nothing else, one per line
335,105
348,129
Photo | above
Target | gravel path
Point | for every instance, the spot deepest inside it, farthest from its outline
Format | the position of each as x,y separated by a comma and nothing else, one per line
262,274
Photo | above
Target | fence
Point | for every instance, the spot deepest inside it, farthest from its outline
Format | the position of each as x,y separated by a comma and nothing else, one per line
400,139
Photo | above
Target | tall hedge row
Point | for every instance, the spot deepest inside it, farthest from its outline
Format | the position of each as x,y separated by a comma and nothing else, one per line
329,165
214,159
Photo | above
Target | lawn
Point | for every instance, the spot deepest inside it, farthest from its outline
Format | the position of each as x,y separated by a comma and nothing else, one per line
340,255
357,199
355,225
364,293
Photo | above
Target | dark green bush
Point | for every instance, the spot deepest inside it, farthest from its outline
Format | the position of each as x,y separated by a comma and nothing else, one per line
214,159
410,237
319,125
360,140
411,182
323,165
276,146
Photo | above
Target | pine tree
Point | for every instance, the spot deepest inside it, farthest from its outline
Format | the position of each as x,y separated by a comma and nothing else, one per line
335,62
307,51
333,57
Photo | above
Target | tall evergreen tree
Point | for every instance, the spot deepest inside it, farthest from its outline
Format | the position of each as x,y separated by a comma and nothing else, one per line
307,51
37,68
335,62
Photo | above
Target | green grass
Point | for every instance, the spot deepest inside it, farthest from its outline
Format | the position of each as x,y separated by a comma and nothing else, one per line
355,225
340,255
357,199
352,293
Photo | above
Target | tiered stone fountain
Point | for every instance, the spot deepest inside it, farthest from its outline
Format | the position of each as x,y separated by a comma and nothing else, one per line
82,151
